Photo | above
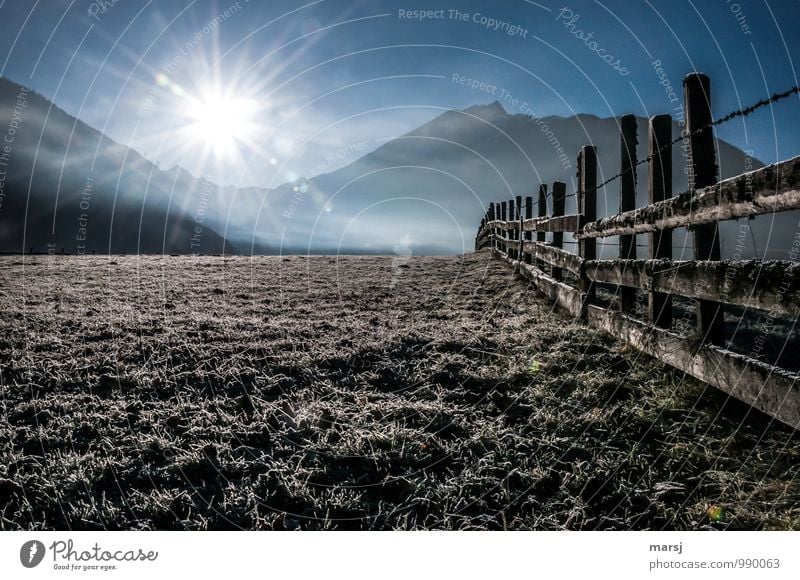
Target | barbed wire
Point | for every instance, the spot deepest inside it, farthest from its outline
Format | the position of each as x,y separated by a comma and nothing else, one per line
684,135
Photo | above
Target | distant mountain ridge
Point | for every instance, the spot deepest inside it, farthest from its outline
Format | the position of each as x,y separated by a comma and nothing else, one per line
454,165
424,191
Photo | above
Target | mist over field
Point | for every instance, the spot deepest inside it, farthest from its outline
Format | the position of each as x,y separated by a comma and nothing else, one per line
430,185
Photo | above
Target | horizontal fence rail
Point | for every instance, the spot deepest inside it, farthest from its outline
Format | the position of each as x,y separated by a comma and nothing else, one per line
772,285
507,229
771,189
554,256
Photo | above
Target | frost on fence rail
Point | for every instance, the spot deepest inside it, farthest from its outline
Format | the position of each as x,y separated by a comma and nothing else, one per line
772,286
774,188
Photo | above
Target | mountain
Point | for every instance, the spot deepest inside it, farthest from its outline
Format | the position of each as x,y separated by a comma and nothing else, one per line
426,190
434,183
66,185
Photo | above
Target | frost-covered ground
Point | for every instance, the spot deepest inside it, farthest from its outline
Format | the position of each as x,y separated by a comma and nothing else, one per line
352,392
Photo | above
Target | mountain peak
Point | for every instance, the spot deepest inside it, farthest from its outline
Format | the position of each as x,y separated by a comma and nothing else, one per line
177,172
493,110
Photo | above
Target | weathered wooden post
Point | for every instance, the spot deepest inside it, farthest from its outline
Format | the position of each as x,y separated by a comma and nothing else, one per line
518,233
485,228
659,188
542,211
495,211
627,202
491,229
501,231
509,232
587,212
559,197
702,173
500,216
504,232
495,231
528,215
511,217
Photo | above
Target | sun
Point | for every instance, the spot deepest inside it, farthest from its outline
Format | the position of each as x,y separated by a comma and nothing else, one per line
221,123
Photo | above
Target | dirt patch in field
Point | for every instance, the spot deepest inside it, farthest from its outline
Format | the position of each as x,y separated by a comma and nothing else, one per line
353,393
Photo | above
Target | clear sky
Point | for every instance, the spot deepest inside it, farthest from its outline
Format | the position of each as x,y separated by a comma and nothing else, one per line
256,92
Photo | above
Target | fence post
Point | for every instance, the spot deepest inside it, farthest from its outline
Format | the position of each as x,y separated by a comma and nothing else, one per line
518,233
587,212
559,197
528,215
487,230
495,216
503,232
542,211
702,173
659,188
508,234
627,201
491,229
511,233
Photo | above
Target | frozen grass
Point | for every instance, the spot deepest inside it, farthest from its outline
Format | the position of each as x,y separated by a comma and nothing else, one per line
353,393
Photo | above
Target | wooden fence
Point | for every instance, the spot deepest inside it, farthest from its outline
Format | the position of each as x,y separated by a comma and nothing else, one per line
570,280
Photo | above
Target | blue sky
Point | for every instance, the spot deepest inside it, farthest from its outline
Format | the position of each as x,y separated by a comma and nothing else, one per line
320,83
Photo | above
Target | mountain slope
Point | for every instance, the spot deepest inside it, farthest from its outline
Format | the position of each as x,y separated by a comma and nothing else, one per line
69,186
434,183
